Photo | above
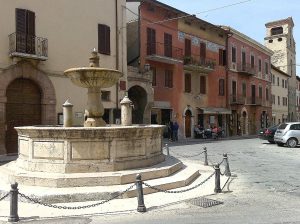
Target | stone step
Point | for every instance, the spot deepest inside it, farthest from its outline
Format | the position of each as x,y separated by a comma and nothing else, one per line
59,180
182,178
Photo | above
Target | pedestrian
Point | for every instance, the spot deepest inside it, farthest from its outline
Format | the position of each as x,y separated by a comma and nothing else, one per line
170,131
175,131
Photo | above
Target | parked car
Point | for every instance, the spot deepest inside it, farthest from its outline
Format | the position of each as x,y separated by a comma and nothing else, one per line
268,133
289,134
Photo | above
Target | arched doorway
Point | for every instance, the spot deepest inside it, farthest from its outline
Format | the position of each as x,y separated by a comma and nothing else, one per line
23,108
138,96
188,123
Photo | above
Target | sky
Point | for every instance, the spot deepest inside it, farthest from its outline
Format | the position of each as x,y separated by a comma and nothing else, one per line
249,17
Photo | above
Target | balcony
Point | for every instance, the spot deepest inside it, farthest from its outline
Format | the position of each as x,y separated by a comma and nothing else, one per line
246,69
195,63
253,101
28,46
237,100
163,53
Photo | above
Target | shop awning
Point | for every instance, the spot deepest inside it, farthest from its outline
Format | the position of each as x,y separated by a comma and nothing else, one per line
214,110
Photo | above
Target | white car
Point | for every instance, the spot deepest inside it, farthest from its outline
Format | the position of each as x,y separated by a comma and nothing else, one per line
289,134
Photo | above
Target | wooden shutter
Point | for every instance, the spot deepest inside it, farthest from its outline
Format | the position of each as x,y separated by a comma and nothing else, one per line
220,57
103,39
168,45
151,41
224,57
188,49
221,87
21,30
202,51
187,82
30,32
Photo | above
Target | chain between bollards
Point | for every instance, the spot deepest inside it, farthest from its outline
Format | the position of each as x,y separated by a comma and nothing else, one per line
140,196
205,156
14,217
227,172
217,179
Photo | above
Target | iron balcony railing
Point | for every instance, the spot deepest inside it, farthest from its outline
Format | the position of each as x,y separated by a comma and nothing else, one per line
28,45
165,50
254,101
197,60
246,68
237,99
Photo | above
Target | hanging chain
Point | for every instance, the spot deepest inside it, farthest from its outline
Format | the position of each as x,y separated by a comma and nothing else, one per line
180,191
5,196
75,207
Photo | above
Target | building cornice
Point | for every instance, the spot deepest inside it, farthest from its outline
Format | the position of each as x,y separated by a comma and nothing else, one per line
244,38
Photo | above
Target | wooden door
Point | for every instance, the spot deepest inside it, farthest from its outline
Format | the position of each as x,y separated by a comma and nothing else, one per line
23,108
188,117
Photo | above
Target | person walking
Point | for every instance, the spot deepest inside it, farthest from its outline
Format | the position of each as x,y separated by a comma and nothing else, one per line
170,131
175,131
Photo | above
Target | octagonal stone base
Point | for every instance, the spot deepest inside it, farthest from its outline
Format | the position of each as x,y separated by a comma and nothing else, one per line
83,149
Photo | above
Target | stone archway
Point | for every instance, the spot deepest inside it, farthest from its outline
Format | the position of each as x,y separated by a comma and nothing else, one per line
26,70
138,96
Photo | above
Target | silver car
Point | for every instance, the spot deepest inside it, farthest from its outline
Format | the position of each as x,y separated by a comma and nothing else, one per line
289,134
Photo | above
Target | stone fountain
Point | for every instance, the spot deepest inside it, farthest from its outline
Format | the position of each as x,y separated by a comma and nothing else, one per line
94,148
55,159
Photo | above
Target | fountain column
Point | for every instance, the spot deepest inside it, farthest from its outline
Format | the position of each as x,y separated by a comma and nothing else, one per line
95,109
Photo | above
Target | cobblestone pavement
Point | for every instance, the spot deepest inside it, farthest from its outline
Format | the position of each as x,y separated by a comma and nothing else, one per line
265,188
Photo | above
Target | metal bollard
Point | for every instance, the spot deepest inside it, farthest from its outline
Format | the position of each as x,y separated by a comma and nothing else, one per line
167,148
205,157
13,217
227,172
139,187
217,179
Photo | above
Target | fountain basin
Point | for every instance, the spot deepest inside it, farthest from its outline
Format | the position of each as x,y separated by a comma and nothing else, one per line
90,77
83,149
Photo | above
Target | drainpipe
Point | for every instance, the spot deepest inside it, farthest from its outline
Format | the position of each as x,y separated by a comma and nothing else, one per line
228,35
117,54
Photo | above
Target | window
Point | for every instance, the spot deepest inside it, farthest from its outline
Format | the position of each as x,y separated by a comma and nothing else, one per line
187,83
233,54
270,41
282,83
273,99
277,81
202,84
267,94
222,57
260,92
151,41
168,78
187,47
103,39
153,76
276,30
273,79
168,45
278,98
221,87
202,52
259,65
266,68
285,83
252,61
25,31
244,89
105,95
